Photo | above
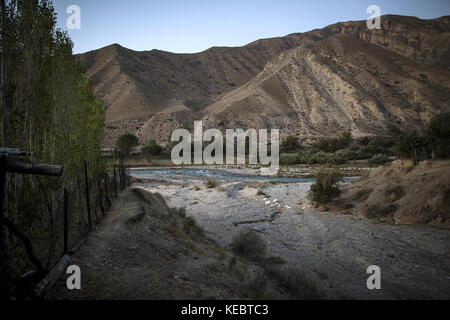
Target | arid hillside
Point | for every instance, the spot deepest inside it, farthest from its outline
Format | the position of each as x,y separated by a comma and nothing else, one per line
322,82
400,193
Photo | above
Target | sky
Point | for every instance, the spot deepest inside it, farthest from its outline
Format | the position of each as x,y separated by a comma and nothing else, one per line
188,26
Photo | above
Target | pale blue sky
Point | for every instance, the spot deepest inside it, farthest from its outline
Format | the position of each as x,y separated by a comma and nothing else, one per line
196,25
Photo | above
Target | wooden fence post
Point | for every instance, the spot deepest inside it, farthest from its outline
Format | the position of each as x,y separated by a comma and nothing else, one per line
108,196
125,180
120,178
3,192
88,203
66,222
115,180
100,196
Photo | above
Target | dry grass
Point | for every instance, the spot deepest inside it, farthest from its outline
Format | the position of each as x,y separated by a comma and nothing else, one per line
257,286
191,227
249,245
293,281
363,194
380,211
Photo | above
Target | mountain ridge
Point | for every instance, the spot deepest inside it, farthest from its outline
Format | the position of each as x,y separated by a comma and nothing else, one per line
341,77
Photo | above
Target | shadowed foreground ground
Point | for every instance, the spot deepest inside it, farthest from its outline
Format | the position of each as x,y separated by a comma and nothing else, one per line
145,250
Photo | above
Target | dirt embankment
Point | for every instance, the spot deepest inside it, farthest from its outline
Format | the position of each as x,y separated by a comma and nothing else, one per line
400,193
146,250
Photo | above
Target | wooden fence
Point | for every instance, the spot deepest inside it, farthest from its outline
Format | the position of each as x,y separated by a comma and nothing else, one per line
68,215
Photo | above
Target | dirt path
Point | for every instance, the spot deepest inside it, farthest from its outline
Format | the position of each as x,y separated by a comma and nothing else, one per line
332,251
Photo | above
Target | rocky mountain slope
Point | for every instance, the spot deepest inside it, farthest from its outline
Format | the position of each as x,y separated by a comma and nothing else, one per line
322,82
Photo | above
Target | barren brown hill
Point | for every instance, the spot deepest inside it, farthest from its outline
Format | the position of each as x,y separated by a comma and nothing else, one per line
342,77
401,193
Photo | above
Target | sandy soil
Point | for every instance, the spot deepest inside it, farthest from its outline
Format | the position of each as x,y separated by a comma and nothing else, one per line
333,251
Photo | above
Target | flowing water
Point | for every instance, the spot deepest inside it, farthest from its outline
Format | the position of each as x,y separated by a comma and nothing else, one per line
219,175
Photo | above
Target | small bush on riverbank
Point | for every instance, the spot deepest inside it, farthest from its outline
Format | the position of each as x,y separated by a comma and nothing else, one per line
249,245
260,193
211,184
151,148
325,187
379,158
290,159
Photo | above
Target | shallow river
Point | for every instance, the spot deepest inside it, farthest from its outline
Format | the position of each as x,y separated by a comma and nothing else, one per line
216,174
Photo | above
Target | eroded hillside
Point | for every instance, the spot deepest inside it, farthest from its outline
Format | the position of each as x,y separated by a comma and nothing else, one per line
322,82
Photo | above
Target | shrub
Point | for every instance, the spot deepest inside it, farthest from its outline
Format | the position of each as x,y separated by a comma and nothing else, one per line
438,135
325,187
249,245
319,158
290,144
290,159
293,281
191,227
126,142
151,148
345,139
257,286
381,211
340,157
371,150
379,158
260,193
327,145
382,141
364,140
334,144
210,183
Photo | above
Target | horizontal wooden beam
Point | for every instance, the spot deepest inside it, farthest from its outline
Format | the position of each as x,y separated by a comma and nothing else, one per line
13,152
20,166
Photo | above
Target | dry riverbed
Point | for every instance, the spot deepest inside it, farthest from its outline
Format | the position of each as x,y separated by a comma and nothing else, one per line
332,251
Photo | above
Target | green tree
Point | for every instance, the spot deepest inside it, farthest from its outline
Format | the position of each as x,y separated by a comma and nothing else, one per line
345,139
438,135
411,144
290,144
151,148
325,186
52,113
126,142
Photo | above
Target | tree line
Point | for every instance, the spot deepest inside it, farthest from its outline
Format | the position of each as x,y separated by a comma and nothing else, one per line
52,113
432,142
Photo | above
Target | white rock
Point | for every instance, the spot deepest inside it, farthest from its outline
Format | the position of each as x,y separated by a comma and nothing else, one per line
275,200
267,203
265,199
